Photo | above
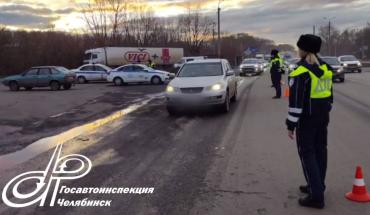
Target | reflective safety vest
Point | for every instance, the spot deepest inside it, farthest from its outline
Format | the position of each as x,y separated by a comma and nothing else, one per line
320,87
278,59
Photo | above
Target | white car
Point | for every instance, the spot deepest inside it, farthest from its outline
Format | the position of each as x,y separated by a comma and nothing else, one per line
137,73
92,72
350,63
202,83
251,66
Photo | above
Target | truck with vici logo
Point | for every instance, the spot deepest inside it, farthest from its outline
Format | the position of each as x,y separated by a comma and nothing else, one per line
118,56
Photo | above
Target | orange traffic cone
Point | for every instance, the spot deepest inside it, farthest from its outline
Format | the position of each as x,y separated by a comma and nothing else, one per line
359,193
286,92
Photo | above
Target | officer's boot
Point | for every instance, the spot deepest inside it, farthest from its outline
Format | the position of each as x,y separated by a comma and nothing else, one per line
311,202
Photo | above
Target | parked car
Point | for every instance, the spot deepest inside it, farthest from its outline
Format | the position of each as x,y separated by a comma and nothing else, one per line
91,72
350,63
251,66
202,84
338,71
44,76
184,60
137,73
292,64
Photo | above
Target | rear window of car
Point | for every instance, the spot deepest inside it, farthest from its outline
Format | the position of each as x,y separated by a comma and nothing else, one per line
201,70
62,69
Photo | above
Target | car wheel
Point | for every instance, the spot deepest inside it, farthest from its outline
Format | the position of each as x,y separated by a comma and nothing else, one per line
67,86
118,81
233,99
156,80
341,80
54,86
172,111
226,105
28,88
81,80
14,86
359,71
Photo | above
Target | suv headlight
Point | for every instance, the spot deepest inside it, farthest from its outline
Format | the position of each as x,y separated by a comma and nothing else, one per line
359,64
216,87
171,89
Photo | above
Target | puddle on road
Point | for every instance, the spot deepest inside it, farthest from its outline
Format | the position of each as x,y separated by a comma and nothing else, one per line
9,160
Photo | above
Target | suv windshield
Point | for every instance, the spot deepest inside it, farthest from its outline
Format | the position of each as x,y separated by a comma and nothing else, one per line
250,61
348,58
331,60
201,70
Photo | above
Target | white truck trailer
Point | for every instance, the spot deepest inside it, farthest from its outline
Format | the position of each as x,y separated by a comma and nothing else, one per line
118,56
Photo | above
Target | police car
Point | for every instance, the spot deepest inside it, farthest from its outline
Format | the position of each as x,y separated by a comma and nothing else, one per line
91,72
137,73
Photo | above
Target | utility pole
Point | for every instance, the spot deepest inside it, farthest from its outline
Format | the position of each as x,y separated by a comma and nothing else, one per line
329,37
219,31
214,38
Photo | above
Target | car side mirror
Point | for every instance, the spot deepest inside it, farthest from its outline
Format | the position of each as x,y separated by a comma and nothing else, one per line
230,73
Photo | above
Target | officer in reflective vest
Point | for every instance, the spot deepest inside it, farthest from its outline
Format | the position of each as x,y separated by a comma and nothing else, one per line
275,70
310,102
151,64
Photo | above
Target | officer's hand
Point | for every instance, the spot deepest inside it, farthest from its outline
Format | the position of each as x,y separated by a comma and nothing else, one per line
291,134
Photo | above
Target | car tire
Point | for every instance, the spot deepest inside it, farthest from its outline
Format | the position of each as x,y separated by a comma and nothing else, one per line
54,86
67,86
172,111
341,80
233,99
81,80
28,88
225,107
156,80
14,86
359,71
118,81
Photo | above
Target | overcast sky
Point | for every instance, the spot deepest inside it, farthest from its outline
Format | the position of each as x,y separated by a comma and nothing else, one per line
280,20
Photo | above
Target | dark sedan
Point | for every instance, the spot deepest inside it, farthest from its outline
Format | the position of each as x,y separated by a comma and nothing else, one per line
338,70
46,76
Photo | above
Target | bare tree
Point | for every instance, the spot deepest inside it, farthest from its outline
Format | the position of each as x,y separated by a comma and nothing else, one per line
104,18
195,29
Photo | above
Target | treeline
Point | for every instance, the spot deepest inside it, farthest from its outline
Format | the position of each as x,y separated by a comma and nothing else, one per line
349,41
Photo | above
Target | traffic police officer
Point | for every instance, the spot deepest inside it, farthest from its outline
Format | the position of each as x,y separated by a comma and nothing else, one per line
275,70
151,64
310,101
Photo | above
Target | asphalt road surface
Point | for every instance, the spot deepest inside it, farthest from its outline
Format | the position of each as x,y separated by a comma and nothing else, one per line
199,163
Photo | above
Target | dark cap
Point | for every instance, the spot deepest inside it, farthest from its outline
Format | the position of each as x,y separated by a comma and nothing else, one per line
274,52
310,43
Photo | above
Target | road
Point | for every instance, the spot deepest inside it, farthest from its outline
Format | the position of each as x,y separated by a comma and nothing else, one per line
203,163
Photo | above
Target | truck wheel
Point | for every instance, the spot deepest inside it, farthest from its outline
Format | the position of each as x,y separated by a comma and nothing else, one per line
118,81
81,80
156,80
54,86
67,86
14,86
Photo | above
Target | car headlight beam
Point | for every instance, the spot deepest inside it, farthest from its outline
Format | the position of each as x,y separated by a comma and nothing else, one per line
216,87
170,89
